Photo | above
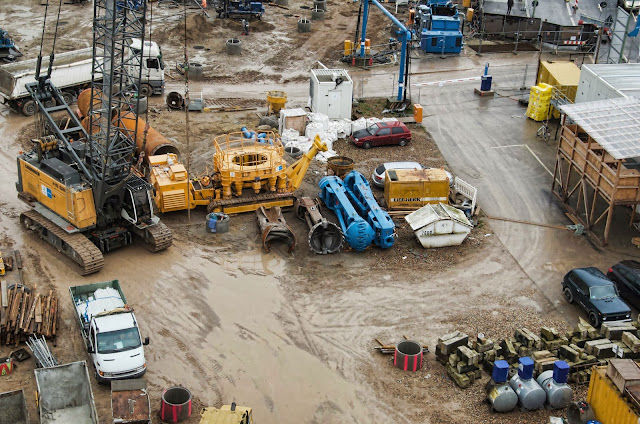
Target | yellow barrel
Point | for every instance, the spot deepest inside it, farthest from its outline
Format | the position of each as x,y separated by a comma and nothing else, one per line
348,49
367,46
469,14
466,3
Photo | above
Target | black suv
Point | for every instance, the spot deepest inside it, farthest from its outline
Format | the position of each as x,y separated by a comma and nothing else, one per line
626,275
596,294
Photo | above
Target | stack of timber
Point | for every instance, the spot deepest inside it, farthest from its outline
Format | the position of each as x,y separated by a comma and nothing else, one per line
25,313
583,348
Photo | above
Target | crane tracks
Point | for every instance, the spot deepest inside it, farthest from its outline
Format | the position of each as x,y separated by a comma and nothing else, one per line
76,247
157,237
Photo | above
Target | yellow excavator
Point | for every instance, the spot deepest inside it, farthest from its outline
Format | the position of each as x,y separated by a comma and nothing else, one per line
249,172
227,414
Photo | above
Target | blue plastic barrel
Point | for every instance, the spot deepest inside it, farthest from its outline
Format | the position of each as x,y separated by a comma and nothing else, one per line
212,220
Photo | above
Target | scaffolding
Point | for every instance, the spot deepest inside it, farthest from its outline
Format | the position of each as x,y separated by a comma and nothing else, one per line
597,164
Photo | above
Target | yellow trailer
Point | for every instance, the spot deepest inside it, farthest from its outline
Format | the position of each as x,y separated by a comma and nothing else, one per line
608,404
409,189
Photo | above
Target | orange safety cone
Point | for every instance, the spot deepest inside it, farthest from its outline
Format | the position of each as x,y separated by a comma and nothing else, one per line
353,61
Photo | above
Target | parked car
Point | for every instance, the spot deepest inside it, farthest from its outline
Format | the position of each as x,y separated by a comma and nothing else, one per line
596,294
626,276
382,134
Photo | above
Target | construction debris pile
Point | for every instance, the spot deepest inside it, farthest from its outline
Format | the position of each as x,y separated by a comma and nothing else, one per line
582,349
24,313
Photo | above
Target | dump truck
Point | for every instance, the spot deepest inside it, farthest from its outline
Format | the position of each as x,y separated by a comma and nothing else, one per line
227,414
71,73
110,331
13,408
64,394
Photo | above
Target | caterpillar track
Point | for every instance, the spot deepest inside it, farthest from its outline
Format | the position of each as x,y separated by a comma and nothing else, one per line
75,246
157,238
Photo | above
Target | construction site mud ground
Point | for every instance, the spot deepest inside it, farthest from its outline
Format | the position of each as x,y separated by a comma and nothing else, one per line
291,335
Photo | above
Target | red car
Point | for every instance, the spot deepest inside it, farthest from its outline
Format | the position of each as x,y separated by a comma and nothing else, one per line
382,134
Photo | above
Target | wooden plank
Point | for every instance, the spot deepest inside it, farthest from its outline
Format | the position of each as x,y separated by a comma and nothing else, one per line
31,315
39,311
55,317
3,292
18,257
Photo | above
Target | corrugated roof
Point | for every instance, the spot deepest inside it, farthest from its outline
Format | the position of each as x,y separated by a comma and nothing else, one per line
612,123
624,77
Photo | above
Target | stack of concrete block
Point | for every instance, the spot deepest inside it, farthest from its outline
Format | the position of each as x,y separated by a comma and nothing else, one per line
631,341
463,366
543,360
551,340
529,342
448,344
583,333
613,331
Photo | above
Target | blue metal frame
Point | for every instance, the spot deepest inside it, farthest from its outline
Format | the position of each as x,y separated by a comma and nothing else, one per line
405,36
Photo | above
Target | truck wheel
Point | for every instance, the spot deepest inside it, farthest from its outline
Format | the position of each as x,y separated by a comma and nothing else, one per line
402,142
29,108
594,320
367,145
568,295
68,97
145,90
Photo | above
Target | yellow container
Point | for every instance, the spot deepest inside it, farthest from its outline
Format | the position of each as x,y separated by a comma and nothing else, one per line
466,3
348,47
607,401
367,46
417,113
469,14
410,189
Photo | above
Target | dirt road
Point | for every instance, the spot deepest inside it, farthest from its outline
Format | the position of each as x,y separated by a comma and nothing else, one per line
290,335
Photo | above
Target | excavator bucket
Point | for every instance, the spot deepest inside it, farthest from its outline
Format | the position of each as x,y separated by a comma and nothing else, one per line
324,236
274,227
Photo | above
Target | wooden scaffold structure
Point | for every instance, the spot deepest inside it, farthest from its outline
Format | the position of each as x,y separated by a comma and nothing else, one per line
597,162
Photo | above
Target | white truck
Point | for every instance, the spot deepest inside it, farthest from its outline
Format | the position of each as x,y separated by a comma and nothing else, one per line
110,331
71,73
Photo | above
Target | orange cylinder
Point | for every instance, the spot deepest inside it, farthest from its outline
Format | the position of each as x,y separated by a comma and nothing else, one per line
84,102
156,144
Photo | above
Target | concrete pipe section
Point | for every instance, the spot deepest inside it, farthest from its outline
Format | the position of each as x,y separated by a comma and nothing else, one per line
176,405
195,71
317,14
408,356
304,25
233,46
320,4
175,100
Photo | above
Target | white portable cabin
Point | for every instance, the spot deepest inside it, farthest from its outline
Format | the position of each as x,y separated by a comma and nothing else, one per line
608,81
331,93
439,225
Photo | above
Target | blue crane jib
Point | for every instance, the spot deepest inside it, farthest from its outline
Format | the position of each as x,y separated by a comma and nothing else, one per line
359,192
357,231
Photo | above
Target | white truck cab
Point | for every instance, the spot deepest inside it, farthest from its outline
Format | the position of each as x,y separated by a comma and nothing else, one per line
110,331
152,78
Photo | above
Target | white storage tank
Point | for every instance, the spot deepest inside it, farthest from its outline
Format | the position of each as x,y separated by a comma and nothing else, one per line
608,81
331,93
